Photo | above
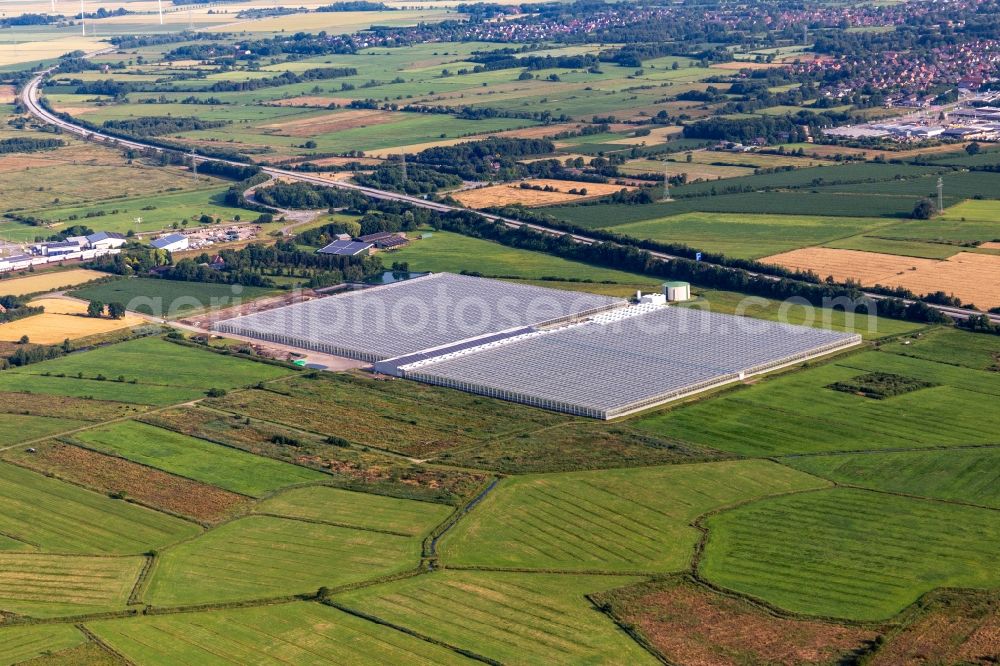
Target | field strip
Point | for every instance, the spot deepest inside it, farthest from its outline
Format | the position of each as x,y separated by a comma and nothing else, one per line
316,521
848,452
410,632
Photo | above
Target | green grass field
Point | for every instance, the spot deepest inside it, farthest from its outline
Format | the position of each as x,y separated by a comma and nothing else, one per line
850,553
800,202
961,475
445,251
169,298
260,557
511,618
299,633
18,644
195,458
138,394
360,510
951,346
747,236
157,212
17,428
797,413
624,520
176,372
57,585
58,517
731,302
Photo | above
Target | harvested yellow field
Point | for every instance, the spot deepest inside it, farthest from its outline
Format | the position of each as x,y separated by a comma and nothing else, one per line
975,278
37,284
12,54
6,94
972,277
502,195
656,135
61,305
864,267
51,328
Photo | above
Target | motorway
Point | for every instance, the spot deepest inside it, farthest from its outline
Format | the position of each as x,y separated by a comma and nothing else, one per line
29,98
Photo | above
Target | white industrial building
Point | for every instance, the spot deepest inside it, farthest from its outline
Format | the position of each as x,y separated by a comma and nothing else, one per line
172,243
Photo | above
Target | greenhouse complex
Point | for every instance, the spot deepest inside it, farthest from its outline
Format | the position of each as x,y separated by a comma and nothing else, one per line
577,353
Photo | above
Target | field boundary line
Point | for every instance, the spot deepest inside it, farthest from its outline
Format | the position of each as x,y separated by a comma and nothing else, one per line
629,629
20,539
94,638
561,572
913,449
923,498
139,588
317,521
410,632
429,546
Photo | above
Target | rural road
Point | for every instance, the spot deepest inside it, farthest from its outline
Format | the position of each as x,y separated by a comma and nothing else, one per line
29,97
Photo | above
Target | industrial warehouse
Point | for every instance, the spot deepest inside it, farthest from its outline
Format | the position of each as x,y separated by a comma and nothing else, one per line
565,351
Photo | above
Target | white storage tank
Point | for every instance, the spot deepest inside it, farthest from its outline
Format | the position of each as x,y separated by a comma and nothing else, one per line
677,291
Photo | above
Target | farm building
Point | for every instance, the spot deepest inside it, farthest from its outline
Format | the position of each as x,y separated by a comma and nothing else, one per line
172,243
385,240
346,248
105,240
415,315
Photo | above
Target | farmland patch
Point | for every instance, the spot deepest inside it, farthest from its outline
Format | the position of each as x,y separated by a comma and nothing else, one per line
18,644
131,481
850,553
574,446
354,509
346,466
635,520
409,417
58,517
975,278
793,414
962,475
511,618
514,193
691,624
52,585
45,282
259,556
289,633
196,459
